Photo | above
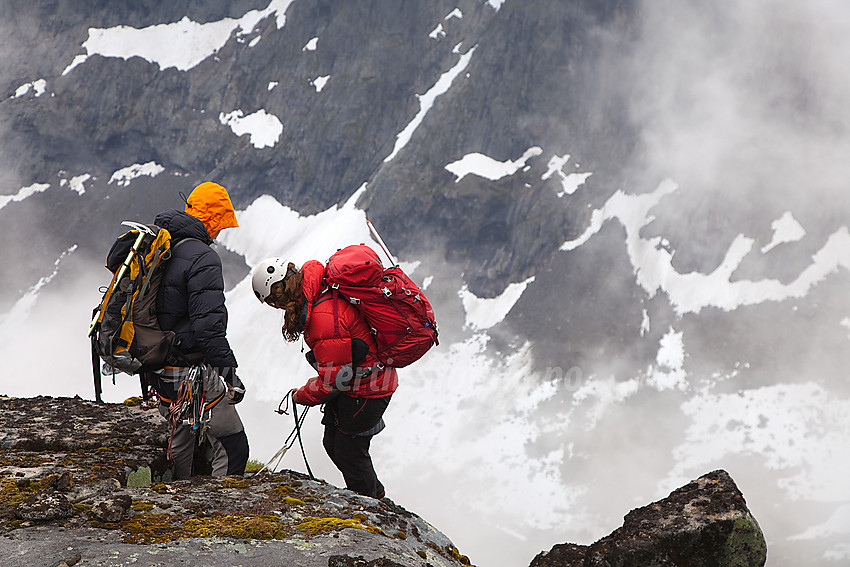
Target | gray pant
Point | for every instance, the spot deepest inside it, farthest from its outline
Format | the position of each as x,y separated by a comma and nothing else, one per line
225,432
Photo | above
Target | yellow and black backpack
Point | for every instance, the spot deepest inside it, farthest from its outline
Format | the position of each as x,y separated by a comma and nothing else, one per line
124,331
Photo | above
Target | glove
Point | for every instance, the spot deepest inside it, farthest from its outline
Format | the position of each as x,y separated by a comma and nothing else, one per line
235,387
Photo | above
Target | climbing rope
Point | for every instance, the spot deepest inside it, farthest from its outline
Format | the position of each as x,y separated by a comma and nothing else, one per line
295,434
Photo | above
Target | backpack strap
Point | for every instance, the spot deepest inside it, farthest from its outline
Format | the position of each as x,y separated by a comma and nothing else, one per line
336,313
335,309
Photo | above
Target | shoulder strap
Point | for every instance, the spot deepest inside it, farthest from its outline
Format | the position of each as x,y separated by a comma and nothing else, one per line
335,309
182,240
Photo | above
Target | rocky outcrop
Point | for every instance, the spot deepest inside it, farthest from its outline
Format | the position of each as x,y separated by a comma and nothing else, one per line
705,523
87,481
81,481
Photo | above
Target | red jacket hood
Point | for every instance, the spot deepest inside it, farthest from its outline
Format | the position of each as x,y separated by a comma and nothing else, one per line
312,285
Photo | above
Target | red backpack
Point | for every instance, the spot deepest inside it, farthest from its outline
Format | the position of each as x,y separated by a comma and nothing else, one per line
400,316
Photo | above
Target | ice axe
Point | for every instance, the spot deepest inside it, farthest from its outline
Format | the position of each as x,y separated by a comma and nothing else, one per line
380,242
143,231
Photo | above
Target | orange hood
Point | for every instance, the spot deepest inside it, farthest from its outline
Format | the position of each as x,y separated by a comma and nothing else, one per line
210,204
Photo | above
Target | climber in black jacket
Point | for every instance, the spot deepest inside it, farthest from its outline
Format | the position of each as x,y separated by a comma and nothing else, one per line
191,303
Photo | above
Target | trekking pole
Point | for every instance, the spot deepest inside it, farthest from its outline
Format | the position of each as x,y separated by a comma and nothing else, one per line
381,243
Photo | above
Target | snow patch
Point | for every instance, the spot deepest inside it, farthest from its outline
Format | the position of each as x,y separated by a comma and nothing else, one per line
437,32
124,176
38,87
785,229
669,373
23,193
320,82
691,292
264,129
16,318
269,229
489,168
181,45
570,182
76,183
311,45
483,313
426,101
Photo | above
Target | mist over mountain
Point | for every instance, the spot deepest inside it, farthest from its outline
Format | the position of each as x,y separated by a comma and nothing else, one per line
631,218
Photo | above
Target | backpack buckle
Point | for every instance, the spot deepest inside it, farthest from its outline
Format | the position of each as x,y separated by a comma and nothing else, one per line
387,291
354,300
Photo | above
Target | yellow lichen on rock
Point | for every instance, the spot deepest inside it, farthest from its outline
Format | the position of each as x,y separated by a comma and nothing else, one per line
313,525
239,527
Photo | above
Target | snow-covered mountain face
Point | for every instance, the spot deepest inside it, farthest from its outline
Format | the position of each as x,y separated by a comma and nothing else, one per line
630,218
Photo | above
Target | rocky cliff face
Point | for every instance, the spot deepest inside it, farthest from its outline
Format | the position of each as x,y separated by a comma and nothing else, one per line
86,481
109,113
705,523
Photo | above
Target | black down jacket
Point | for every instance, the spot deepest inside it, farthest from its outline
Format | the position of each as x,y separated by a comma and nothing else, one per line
191,296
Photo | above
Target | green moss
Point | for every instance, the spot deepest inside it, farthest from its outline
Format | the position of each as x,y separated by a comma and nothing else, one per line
231,482
292,501
160,488
13,492
133,401
25,461
314,526
104,525
400,535
139,477
745,544
140,506
421,553
149,528
282,490
455,554
253,466
240,527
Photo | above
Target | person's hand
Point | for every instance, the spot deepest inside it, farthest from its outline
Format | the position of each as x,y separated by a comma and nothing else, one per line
235,387
294,393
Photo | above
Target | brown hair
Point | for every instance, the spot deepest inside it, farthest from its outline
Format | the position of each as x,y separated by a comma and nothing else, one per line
287,295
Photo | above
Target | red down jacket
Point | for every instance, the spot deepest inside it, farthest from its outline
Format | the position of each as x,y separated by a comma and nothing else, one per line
329,335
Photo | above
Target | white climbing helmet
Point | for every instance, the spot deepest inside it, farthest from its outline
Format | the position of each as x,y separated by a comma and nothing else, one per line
266,274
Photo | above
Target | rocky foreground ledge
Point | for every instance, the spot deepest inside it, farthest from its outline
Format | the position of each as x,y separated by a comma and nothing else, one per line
88,484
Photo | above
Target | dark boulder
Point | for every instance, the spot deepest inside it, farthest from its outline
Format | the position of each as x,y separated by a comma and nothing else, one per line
705,523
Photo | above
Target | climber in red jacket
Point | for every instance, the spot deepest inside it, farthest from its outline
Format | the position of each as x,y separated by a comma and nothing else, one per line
351,383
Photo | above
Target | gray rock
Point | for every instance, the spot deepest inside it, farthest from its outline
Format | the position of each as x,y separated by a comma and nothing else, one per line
267,520
705,523
44,507
112,509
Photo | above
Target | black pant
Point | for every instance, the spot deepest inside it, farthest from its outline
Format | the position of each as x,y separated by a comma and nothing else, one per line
345,417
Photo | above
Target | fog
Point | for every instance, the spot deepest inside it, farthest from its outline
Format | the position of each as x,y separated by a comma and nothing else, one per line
741,109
